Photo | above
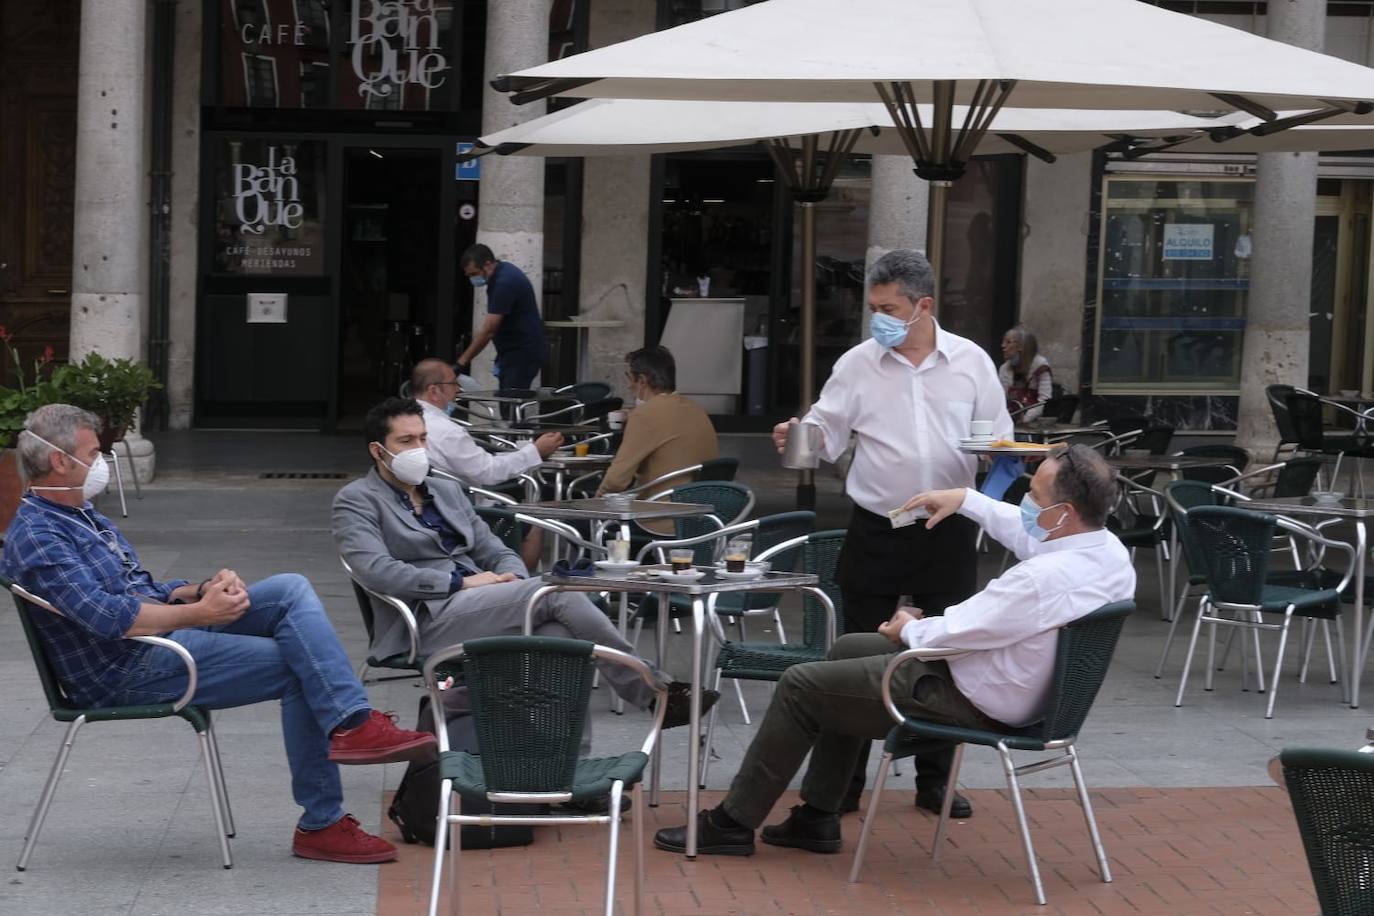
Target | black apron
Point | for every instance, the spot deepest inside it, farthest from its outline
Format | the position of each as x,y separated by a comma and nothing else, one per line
878,559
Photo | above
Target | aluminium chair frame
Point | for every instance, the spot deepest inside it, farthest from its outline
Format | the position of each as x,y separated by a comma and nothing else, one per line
612,818
413,658
1012,772
1293,528
209,747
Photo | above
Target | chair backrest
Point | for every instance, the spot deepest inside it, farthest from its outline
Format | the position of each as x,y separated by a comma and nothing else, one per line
1233,547
821,558
1181,497
1305,413
587,392
1236,459
1333,801
1278,405
1081,660
718,469
503,524
529,698
598,408
47,674
1297,476
1061,407
1153,436
730,502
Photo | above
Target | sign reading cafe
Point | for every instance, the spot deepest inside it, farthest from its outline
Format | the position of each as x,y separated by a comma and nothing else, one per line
270,207
396,43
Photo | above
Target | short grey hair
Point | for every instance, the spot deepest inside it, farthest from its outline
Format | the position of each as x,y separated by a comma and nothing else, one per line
1084,480
58,425
908,269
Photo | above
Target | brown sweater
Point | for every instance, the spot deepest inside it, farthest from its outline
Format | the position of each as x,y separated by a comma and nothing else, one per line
667,432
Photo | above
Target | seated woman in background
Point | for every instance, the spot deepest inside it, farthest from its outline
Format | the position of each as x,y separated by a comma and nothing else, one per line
1025,374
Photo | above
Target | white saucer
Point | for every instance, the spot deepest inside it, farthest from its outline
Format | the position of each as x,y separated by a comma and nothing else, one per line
617,566
740,576
689,576
977,440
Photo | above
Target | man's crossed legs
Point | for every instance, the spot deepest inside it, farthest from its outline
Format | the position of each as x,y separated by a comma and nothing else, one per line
284,647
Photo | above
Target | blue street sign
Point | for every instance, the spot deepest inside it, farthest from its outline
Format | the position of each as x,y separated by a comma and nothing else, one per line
467,171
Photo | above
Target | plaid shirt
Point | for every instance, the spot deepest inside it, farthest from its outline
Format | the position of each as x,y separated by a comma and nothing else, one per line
78,560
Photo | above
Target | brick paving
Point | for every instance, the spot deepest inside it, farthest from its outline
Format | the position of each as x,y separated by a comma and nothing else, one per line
1214,851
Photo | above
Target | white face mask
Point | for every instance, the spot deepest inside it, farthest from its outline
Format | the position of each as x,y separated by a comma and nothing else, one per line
97,472
409,467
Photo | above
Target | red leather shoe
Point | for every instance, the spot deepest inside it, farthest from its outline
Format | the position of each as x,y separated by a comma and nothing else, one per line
378,740
342,841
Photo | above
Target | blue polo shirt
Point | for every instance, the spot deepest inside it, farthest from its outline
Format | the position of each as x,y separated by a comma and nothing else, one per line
510,294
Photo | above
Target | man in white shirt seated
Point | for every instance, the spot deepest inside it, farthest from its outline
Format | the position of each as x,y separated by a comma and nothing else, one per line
1070,566
451,449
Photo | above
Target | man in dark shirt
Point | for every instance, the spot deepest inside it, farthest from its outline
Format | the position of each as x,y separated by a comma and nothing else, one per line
513,320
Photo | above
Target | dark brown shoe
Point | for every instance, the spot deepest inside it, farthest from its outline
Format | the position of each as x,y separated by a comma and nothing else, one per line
814,833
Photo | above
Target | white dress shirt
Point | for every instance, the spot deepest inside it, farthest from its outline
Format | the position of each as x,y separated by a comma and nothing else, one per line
908,419
1012,622
451,449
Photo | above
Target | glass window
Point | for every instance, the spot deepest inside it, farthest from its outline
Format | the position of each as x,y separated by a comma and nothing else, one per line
269,207
398,56
1174,276
274,54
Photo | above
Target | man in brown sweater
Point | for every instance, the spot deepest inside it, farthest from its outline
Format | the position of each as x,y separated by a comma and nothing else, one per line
664,432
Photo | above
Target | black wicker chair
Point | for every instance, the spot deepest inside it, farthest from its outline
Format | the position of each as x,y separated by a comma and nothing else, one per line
1333,801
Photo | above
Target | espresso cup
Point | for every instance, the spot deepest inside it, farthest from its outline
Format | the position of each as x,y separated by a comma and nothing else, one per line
616,419
619,550
980,429
681,559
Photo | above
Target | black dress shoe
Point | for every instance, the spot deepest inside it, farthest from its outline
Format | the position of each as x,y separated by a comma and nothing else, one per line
679,709
601,804
711,840
814,833
933,799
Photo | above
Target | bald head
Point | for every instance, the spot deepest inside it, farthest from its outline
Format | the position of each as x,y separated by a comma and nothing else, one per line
433,380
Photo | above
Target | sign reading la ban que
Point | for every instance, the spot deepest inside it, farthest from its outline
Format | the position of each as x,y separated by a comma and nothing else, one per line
395,43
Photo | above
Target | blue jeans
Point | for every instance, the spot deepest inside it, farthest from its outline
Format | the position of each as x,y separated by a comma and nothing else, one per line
285,648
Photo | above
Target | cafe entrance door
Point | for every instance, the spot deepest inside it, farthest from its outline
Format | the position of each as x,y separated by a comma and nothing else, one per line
395,291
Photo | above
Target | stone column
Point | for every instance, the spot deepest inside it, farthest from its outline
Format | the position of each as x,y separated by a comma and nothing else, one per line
181,330
615,223
1053,270
510,216
897,210
1276,329
110,238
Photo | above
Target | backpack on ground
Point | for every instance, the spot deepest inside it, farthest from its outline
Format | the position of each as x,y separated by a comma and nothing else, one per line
416,803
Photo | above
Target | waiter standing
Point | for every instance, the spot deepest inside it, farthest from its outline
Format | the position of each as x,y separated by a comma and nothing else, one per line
513,321
907,396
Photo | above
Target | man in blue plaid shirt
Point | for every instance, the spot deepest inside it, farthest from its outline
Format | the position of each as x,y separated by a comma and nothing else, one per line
266,641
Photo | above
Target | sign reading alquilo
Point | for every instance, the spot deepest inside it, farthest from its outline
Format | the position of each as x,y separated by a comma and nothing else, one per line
395,43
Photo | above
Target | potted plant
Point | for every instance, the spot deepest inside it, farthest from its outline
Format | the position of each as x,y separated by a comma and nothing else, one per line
112,389
15,406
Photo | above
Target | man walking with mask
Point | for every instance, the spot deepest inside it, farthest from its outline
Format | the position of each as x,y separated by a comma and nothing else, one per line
513,321
907,396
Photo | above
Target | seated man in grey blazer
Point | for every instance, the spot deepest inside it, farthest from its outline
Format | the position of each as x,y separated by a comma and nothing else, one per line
417,537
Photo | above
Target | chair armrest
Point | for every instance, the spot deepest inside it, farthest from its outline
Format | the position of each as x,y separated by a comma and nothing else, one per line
498,498
723,531
900,659
1352,551
192,675
412,627
436,699
658,481
625,659
780,547
563,531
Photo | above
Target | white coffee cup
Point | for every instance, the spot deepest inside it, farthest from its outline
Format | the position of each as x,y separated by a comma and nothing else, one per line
619,550
980,429
616,419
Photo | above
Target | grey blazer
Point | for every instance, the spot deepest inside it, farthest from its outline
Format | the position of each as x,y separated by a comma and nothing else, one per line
392,552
